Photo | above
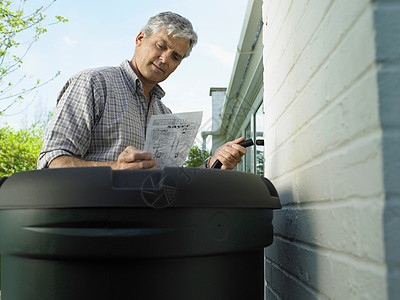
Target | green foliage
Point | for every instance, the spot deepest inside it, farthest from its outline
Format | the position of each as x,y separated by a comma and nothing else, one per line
260,163
16,23
19,149
196,157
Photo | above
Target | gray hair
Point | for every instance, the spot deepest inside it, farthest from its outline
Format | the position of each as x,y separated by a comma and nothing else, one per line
173,23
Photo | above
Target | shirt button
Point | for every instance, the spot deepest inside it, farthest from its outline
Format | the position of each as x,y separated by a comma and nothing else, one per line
141,100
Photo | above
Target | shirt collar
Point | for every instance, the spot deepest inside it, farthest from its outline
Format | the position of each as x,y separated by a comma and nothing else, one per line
156,91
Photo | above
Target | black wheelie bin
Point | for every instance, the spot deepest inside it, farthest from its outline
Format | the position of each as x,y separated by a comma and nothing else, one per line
94,233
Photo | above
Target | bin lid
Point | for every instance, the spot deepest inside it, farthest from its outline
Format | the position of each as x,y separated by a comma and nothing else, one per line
161,188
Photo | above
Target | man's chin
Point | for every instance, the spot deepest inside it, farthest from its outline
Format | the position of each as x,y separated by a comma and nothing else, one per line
154,79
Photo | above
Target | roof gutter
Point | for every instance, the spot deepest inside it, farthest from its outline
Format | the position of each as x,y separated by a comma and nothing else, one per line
244,53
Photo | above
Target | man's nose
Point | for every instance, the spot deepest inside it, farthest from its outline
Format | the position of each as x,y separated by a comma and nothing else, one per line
164,57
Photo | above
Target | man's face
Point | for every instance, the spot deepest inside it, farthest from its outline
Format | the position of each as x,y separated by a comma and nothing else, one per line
158,55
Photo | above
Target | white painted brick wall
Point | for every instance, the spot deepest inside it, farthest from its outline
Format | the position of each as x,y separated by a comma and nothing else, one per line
324,150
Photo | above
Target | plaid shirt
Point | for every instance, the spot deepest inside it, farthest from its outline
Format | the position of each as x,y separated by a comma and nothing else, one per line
99,113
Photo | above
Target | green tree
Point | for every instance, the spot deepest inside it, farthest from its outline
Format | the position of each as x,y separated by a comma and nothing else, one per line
260,163
196,157
19,149
15,24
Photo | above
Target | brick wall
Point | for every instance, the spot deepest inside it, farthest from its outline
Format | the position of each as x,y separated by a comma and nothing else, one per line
324,150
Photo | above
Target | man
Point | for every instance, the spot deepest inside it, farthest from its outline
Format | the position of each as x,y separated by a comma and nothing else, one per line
102,114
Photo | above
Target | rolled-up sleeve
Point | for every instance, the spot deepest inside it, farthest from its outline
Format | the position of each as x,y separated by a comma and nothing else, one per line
69,132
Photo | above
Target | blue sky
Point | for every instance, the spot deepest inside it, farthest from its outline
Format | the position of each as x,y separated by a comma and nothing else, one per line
102,33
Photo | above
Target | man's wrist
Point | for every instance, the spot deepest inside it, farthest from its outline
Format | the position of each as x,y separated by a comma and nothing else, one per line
207,162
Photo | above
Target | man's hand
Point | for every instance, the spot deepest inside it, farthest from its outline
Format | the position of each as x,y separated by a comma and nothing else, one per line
229,154
132,158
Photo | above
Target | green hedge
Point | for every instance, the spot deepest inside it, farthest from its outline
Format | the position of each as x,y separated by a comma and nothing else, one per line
19,149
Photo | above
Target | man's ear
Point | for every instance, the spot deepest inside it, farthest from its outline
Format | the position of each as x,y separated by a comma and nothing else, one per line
140,38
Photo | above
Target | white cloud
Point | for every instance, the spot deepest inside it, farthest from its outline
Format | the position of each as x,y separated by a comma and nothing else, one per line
70,41
216,51
189,94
